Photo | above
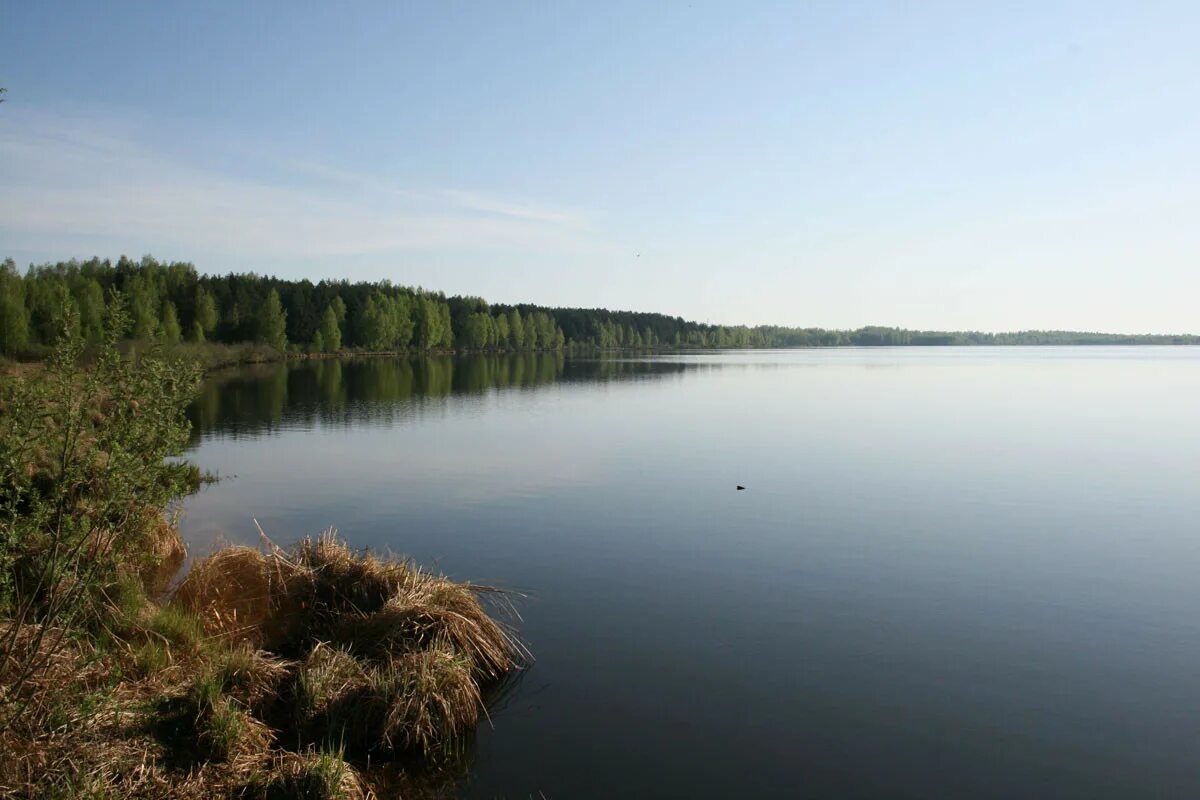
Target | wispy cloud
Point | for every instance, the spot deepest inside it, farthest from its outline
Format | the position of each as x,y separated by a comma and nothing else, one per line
67,179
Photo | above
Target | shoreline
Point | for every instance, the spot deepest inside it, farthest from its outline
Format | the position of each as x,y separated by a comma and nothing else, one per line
265,673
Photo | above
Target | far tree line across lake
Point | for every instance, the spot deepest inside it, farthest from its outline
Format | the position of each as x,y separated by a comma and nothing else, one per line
173,303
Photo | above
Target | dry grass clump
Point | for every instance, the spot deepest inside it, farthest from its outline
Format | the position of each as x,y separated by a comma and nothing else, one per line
428,608
323,591
340,580
83,750
390,658
251,676
427,698
28,642
230,591
259,652
413,702
325,687
312,775
321,586
223,728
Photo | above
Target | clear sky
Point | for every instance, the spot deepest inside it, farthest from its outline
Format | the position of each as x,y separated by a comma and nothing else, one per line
991,166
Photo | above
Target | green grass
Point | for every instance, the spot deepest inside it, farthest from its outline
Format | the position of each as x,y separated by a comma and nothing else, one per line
225,727
247,675
152,657
180,629
206,693
221,725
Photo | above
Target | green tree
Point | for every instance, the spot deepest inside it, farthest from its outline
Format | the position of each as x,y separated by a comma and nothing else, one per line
89,297
227,309
330,331
444,326
14,318
433,324
206,312
169,327
532,332
500,324
272,322
339,309
143,306
401,309
232,323
376,324
516,330
478,331
52,310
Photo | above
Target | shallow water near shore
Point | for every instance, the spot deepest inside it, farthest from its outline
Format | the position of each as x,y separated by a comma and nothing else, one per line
954,571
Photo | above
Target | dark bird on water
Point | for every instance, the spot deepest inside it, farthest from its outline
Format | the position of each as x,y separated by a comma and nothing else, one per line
741,488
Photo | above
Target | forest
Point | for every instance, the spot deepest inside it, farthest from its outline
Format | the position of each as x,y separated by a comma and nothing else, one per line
172,303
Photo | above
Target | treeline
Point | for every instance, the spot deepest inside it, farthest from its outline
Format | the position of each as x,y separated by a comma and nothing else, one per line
172,302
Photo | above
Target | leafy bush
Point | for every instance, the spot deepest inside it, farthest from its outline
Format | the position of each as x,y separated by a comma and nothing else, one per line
84,479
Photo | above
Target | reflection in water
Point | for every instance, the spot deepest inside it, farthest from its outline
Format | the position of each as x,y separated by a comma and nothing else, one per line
299,393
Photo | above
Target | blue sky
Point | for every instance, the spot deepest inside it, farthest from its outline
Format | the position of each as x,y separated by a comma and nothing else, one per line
939,165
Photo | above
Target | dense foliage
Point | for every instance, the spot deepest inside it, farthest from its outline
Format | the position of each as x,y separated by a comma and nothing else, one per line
82,464
172,302
84,481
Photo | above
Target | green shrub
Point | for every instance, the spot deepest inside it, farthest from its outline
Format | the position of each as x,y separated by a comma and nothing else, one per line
84,475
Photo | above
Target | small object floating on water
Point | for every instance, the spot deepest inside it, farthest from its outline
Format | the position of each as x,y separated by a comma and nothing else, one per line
741,488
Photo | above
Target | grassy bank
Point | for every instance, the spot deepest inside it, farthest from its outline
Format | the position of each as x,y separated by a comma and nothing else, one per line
311,671
206,355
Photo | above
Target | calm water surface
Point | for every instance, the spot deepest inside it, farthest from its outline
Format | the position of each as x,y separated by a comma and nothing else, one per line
954,572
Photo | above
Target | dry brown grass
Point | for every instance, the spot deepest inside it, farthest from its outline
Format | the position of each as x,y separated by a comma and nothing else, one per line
324,591
325,687
311,775
251,676
225,731
317,646
230,590
414,702
430,698
54,660
428,608
322,585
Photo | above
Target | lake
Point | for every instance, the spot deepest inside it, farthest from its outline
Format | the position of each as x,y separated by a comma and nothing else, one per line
953,571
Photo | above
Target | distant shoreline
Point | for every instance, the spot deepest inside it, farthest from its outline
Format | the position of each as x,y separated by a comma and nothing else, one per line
248,318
